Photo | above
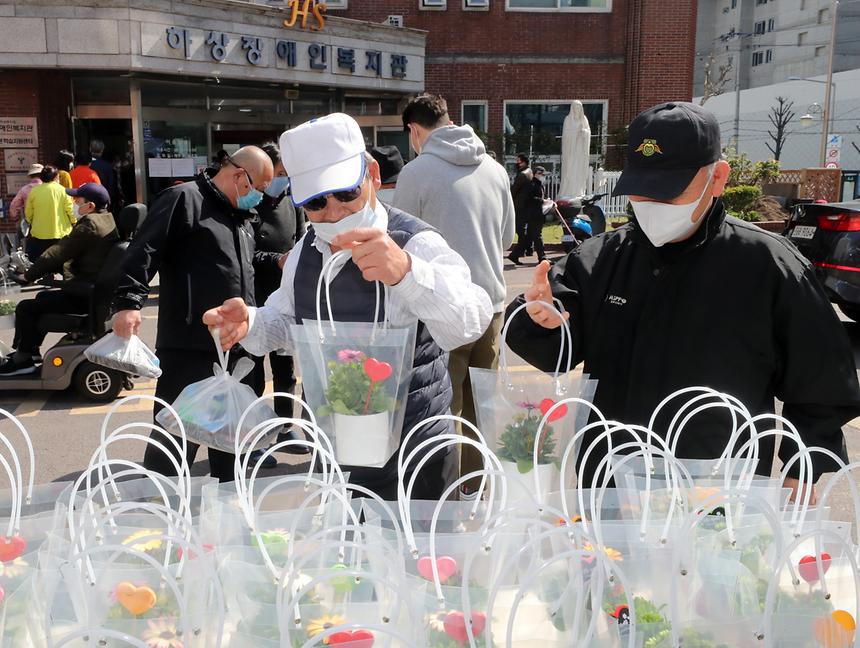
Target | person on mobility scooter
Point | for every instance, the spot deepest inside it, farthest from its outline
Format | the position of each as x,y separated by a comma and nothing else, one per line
90,258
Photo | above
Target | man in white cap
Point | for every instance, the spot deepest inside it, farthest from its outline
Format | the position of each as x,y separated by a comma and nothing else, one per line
16,208
336,182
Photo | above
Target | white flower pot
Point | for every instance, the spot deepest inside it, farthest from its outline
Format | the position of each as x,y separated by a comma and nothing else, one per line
362,440
521,486
7,322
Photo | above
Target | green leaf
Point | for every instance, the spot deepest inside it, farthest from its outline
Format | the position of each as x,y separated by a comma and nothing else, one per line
525,466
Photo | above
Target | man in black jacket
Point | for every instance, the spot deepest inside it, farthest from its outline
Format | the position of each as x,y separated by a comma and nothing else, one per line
687,296
198,238
521,195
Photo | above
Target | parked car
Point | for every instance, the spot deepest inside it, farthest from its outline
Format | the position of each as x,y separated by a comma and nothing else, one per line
828,234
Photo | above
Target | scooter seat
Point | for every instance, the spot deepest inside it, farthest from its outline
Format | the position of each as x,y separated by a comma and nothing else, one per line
62,323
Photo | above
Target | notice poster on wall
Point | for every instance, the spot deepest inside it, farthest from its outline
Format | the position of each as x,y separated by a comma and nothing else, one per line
183,168
20,159
18,132
160,168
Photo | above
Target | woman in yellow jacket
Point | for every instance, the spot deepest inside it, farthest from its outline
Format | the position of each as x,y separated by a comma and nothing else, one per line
64,163
49,212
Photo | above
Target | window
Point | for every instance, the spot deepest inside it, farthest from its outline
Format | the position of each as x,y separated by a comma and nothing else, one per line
537,126
802,38
559,5
432,4
768,56
759,28
760,2
823,16
757,59
820,50
471,5
734,4
771,24
337,4
474,113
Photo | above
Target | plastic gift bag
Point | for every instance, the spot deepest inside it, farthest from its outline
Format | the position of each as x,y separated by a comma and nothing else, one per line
129,355
210,410
356,379
512,408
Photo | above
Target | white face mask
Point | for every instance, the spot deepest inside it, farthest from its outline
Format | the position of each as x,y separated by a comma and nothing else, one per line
663,223
76,210
365,217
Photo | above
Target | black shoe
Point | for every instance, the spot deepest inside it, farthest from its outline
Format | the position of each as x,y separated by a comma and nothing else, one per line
292,435
9,367
514,260
528,252
268,463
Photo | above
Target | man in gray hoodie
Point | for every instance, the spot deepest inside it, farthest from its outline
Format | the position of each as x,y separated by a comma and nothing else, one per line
457,188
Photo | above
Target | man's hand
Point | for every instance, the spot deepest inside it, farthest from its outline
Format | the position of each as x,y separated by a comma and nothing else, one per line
377,256
540,291
126,323
794,485
231,318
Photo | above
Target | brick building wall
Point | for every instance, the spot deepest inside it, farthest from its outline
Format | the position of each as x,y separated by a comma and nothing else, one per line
639,54
45,95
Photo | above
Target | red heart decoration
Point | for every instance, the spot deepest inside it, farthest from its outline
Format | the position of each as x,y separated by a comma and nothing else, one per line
547,404
377,371
808,569
12,548
455,625
354,638
446,565
207,548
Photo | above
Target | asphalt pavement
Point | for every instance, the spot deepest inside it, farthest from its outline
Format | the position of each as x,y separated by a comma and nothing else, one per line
65,429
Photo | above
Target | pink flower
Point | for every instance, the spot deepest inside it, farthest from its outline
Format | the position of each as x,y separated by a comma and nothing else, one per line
526,405
349,355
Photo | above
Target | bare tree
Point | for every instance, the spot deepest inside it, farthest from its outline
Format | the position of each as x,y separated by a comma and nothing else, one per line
716,78
780,116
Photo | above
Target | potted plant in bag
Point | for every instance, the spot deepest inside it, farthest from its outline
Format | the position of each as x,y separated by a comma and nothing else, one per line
517,444
360,407
7,314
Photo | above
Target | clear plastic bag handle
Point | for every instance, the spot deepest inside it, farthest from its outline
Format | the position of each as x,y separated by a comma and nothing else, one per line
566,342
326,278
31,457
402,465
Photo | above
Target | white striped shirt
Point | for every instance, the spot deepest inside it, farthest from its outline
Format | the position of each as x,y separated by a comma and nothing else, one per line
438,291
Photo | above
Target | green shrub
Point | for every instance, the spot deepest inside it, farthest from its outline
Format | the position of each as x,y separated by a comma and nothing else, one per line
742,201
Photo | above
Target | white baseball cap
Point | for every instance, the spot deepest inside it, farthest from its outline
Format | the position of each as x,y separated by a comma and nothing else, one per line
35,169
323,156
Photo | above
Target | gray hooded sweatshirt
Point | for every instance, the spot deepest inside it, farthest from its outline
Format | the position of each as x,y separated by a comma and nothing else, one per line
457,188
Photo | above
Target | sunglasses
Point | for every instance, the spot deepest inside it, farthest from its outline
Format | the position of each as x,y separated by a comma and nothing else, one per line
320,202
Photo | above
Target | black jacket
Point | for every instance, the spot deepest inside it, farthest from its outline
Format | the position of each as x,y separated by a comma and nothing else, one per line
277,228
82,252
734,308
202,248
533,195
520,192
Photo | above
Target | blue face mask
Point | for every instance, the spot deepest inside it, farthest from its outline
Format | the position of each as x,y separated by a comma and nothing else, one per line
249,200
278,187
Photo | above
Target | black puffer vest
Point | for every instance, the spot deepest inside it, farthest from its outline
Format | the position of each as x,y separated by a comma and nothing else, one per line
430,388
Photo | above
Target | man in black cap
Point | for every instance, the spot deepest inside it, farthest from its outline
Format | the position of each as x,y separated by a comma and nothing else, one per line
390,165
80,256
686,295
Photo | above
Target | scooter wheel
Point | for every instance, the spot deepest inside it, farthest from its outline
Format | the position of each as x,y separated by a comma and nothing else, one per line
96,383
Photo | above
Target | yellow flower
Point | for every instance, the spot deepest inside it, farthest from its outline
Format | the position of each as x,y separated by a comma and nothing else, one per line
161,633
13,569
316,626
151,543
613,554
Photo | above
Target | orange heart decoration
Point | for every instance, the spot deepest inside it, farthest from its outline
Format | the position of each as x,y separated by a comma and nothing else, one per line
137,600
377,371
547,404
12,548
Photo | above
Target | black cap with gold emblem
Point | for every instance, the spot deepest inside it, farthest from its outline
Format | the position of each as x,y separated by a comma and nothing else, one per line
667,146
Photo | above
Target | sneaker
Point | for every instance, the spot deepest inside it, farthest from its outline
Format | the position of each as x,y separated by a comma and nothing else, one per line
9,367
514,260
269,462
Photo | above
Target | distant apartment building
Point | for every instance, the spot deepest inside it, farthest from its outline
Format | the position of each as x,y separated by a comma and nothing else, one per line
770,41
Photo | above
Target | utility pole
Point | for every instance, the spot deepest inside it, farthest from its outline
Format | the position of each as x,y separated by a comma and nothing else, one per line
737,64
825,118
